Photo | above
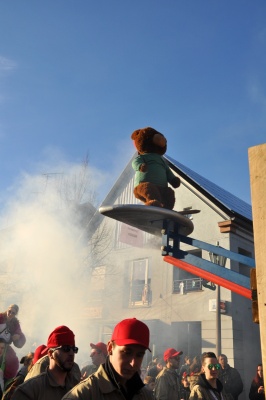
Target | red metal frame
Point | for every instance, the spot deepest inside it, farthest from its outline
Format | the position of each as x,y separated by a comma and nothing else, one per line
208,276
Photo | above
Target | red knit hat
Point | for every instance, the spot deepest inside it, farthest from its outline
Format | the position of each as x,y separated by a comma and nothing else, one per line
171,353
60,336
100,347
131,331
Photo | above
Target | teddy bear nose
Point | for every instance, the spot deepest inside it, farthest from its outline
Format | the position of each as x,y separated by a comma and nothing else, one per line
159,140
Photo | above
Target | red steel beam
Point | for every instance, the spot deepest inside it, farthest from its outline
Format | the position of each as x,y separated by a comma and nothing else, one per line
209,276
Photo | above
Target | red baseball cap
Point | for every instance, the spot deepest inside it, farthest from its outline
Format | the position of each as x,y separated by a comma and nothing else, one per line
171,353
131,331
40,352
60,336
100,346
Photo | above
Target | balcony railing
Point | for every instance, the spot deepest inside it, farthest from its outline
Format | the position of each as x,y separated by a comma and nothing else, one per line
187,285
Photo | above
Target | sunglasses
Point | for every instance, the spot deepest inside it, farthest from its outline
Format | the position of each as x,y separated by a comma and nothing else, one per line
12,312
215,366
66,348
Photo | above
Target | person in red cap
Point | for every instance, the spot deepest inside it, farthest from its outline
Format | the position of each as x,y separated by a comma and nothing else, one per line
40,352
41,361
167,386
118,377
98,356
57,379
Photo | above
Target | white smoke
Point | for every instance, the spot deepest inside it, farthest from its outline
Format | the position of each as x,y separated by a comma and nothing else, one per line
43,253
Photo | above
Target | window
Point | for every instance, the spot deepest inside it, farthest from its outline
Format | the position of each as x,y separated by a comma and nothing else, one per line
140,291
97,283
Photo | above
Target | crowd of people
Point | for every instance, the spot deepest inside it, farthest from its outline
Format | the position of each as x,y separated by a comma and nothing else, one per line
116,371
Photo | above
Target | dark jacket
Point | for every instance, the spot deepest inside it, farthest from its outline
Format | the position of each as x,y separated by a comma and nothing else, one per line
231,381
253,392
167,385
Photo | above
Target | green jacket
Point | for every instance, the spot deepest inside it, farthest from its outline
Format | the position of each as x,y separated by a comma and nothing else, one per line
167,386
42,364
99,387
42,387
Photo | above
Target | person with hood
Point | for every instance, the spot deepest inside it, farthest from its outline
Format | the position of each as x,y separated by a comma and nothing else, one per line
208,386
11,333
119,376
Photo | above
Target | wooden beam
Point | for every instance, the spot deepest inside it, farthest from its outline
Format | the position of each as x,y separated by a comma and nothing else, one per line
257,168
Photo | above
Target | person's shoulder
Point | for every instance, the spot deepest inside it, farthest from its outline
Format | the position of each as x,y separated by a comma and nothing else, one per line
146,393
35,380
89,369
161,373
234,370
38,368
83,390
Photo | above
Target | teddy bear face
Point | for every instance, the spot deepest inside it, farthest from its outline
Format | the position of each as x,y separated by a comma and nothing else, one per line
148,140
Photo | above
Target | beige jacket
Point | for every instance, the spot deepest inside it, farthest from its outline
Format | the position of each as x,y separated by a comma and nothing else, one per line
203,391
99,387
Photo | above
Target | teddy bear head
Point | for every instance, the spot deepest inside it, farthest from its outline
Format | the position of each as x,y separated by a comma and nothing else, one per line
148,140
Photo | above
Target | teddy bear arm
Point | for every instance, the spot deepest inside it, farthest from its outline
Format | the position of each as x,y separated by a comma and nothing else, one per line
171,178
137,162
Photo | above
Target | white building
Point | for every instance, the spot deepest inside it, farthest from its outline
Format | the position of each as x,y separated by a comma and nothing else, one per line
134,281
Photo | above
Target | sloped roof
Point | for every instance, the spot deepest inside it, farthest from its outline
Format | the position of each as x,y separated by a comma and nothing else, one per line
230,202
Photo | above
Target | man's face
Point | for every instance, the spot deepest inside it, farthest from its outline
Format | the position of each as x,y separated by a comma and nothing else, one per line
126,360
2,348
223,361
174,362
11,313
96,357
64,360
210,368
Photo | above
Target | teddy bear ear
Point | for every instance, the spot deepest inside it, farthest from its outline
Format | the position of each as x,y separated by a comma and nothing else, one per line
135,134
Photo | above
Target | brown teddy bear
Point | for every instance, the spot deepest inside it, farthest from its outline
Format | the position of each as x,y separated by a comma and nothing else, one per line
152,172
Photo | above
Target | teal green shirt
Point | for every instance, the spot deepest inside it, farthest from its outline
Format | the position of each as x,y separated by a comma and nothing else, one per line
158,172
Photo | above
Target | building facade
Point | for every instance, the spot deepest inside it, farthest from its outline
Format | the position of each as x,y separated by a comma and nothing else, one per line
134,281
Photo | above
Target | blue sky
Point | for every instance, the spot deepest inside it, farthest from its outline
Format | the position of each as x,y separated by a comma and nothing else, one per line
78,76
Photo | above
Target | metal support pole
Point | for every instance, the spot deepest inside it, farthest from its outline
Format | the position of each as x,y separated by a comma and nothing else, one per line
218,322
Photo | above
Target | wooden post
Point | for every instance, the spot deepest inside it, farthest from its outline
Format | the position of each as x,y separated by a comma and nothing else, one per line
257,168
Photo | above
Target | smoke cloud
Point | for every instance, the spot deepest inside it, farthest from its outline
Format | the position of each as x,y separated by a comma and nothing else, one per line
44,253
